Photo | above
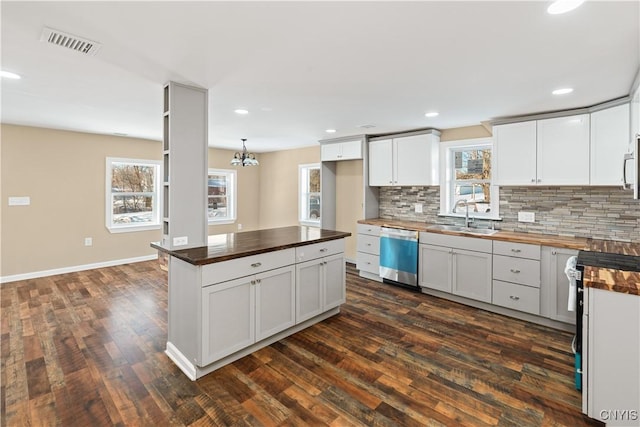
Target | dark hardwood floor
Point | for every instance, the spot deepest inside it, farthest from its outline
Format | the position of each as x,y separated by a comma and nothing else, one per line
87,349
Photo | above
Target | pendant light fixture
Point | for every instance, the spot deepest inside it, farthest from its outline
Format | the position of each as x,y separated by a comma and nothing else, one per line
245,158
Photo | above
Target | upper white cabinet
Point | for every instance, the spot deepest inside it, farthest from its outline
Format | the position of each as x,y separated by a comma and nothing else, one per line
634,117
409,160
348,150
543,152
609,143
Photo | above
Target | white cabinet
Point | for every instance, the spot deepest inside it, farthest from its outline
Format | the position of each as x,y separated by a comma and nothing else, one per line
240,312
368,250
347,150
610,354
634,117
609,143
320,286
516,276
554,297
455,264
403,161
543,152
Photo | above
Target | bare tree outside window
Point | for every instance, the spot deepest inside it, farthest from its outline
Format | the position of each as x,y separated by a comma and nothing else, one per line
133,193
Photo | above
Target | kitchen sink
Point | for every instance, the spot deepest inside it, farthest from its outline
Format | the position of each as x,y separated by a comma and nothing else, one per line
466,230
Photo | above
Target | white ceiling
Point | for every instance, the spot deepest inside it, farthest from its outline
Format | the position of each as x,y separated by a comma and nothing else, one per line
303,67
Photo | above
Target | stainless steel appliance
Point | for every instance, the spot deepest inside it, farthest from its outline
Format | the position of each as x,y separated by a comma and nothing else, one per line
399,257
631,168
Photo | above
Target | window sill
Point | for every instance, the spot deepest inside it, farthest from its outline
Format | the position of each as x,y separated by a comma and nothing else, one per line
133,228
310,223
457,215
221,222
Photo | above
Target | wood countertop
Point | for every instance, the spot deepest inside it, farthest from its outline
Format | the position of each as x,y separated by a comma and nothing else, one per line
224,247
625,278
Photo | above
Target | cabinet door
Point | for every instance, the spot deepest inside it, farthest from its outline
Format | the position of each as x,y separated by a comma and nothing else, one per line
351,150
380,163
330,152
472,274
228,318
514,153
308,289
435,268
414,163
275,301
609,143
334,281
556,284
563,151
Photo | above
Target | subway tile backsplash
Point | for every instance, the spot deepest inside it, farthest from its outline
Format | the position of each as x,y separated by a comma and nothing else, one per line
598,212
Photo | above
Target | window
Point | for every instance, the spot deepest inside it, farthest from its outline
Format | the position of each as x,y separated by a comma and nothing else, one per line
221,196
467,180
132,195
310,194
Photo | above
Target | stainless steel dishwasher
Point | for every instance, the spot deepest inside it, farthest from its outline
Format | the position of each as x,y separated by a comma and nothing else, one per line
399,257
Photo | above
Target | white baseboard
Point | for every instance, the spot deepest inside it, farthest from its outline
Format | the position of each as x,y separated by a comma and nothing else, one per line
181,361
75,268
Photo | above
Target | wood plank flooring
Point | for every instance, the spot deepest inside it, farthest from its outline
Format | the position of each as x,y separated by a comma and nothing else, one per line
87,349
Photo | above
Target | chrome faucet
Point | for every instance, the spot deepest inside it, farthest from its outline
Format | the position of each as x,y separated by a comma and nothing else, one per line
467,221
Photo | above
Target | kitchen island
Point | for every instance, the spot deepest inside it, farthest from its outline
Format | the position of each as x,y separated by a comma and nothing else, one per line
244,291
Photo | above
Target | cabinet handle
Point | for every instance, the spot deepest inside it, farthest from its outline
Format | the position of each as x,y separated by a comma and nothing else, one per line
514,271
533,180
253,282
515,298
259,281
325,249
368,263
368,244
516,251
256,264
539,180
554,253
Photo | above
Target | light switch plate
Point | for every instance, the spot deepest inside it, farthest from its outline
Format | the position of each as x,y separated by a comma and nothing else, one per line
180,241
527,216
418,207
20,201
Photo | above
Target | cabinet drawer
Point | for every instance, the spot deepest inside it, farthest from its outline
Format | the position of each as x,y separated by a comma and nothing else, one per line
476,244
521,250
371,230
245,266
517,297
516,270
369,244
368,262
318,250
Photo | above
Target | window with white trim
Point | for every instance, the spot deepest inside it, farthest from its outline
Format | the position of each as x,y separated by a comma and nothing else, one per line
132,194
466,183
221,196
309,194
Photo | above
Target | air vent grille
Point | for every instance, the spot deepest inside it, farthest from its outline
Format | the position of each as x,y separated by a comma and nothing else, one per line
69,41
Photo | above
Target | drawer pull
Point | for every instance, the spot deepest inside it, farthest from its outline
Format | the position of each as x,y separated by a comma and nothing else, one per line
517,251
368,263
368,244
513,297
323,250
256,264
514,271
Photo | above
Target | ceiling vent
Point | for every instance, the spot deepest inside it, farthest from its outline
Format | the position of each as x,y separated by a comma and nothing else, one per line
79,44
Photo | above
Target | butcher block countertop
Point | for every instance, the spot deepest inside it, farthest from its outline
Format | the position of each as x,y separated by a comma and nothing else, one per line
609,265
224,247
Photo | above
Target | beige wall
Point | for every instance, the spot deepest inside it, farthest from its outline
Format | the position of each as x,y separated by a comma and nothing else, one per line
349,199
279,185
64,174
248,196
468,132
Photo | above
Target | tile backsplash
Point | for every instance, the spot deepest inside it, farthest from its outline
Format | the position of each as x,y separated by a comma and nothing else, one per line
598,212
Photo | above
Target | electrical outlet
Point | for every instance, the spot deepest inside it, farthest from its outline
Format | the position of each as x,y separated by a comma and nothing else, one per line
180,241
418,207
20,201
88,241
527,216
239,226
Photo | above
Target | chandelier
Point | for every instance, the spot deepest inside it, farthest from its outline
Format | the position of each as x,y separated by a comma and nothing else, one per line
245,158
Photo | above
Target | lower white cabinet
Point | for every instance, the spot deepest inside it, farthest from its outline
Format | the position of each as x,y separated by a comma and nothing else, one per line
610,354
554,296
368,251
448,264
240,312
319,286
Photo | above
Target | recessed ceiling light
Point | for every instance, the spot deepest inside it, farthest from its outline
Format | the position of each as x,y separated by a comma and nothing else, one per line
431,114
563,6
9,75
330,131
562,91
241,111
